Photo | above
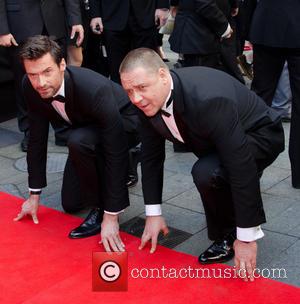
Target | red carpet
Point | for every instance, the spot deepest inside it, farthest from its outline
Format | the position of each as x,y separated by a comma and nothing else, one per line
39,264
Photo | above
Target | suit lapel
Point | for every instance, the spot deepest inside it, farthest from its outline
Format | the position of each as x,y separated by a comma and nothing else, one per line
178,108
69,95
159,124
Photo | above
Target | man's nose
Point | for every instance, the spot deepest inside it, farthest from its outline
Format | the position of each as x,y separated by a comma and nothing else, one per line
41,80
136,98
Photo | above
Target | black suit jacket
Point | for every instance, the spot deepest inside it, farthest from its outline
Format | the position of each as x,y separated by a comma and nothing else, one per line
91,99
214,112
199,25
28,18
115,13
275,23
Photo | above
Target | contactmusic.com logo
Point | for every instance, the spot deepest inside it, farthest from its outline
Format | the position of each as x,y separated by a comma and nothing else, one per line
110,271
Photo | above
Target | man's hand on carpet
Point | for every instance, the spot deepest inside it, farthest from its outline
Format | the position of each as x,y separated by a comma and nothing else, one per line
245,259
154,225
110,237
30,207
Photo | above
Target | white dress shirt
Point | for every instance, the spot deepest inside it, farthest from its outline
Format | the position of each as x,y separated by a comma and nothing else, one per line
243,234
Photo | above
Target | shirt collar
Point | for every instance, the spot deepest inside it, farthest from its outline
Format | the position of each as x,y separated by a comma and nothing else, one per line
61,90
164,107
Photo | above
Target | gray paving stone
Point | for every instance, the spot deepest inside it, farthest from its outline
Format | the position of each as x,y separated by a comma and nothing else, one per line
272,176
183,219
52,201
284,189
196,244
189,199
282,161
183,163
174,185
11,189
11,124
271,246
287,221
290,261
275,205
136,208
12,151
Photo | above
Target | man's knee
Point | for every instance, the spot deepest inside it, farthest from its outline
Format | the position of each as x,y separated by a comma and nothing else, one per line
77,142
207,176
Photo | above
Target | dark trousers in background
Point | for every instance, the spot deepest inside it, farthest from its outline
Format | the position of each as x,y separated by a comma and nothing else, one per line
119,43
268,63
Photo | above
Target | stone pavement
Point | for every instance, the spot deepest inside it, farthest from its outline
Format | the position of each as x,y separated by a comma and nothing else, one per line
182,206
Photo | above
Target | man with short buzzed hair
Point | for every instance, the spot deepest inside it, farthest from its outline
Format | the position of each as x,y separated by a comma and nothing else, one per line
232,132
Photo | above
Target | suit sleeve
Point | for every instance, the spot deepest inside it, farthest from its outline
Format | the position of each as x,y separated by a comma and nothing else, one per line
73,12
95,10
114,148
209,10
224,129
152,164
4,28
162,4
38,140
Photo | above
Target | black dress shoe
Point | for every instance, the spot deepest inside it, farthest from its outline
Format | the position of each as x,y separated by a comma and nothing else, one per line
60,142
90,226
219,252
134,159
132,180
24,142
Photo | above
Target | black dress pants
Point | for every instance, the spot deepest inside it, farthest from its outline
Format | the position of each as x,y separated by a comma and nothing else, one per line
212,181
84,177
268,63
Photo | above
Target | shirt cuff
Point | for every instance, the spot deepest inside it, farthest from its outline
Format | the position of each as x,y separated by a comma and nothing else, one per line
113,213
227,32
153,210
31,189
249,234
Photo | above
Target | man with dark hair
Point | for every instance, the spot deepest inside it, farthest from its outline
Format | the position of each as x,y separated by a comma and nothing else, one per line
232,132
22,19
96,168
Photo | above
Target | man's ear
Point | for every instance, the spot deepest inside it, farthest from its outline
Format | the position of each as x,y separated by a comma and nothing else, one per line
163,74
62,65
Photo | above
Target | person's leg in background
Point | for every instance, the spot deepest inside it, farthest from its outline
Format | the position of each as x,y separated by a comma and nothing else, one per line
293,59
283,95
268,64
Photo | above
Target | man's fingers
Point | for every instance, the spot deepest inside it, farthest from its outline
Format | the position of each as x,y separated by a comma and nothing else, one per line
153,244
243,271
13,41
80,37
112,244
165,231
35,219
144,241
72,33
249,271
118,243
19,216
106,245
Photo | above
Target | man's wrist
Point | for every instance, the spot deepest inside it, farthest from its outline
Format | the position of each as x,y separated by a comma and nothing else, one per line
35,192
